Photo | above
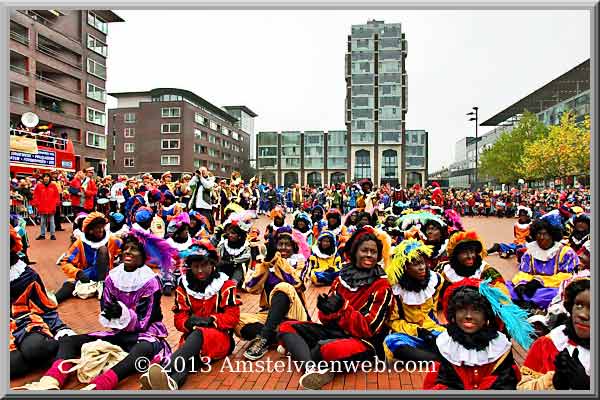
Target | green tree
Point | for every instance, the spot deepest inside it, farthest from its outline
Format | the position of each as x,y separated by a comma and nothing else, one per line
502,161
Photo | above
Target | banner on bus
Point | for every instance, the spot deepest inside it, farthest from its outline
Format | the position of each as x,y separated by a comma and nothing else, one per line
43,157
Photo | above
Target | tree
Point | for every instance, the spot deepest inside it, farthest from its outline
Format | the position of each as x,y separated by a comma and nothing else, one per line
564,152
246,171
502,161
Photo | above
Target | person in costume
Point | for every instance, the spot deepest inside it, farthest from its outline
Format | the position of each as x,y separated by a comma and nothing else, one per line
280,280
390,227
297,196
580,233
180,239
318,223
118,227
351,220
167,183
207,308
352,314
170,208
546,263
436,234
466,255
334,224
324,264
199,225
475,353
231,208
520,233
277,215
258,250
417,289
35,325
233,249
90,257
130,309
303,224
561,359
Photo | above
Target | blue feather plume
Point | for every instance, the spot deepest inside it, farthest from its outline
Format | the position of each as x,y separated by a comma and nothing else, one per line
514,318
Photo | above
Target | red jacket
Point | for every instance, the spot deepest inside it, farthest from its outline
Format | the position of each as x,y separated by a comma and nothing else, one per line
45,198
75,185
90,194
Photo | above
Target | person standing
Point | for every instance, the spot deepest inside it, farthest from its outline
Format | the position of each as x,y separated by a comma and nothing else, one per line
200,201
45,199
75,192
88,190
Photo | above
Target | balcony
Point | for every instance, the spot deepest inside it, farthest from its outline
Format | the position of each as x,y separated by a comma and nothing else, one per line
57,83
50,24
58,52
19,38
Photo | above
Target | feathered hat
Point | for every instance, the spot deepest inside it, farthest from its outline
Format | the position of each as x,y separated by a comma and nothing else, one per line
94,217
200,248
462,238
200,218
243,220
277,211
144,214
454,220
407,251
526,209
168,195
177,222
554,218
419,218
507,313
304,217
16,244
156,249
116,217
233,207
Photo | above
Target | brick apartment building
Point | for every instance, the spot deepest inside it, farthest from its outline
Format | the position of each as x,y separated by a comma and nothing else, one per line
58,71
170,129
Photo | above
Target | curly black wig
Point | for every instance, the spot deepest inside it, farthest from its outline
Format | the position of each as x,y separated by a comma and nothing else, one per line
541,224
442,229
572,290
582,218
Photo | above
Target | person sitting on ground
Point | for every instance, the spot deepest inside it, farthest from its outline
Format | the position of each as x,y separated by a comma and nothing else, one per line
580,233
180,239
279,280
90,257
118,227
303,224
35,325
543,267
233,250
130,308
352,314
520,232
324,264
436,233
416,289
207,308
561,359
475,353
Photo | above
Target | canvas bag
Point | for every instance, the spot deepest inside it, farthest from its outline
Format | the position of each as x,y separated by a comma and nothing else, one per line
96,358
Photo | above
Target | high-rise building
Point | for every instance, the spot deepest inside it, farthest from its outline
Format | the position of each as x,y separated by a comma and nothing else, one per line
416,156
376,102
58,71
245,121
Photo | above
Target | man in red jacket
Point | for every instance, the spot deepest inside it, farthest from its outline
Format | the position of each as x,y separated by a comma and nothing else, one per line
75,192
89,190
45,199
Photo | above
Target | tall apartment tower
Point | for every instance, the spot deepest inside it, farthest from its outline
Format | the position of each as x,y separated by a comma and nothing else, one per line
376,102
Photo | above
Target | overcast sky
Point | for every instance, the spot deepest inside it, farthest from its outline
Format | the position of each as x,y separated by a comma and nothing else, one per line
288,66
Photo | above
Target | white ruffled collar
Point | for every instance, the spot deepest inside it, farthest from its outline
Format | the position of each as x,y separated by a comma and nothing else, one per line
122,231
231,251
522,226
210,290
540,254
96,245
458,355
561,341
441,250
412,298
336,231
453,277
578,242
180,246
131,281
137,227
17,269
317,252
169,208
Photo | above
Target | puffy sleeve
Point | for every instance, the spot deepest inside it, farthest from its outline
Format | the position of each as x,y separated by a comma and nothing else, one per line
229,307
71,261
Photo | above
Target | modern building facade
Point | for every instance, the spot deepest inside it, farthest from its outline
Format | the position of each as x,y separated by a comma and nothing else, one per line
58,71
568,92
170,129
245,122
314,158
376,102
416,145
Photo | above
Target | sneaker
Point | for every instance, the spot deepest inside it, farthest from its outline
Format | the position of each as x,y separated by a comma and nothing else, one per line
145,381
316,379
40,237
52,237
159,379
100,288
281,350
257,348
45,383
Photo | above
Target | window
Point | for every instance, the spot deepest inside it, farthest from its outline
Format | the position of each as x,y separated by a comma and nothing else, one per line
362,102
97,140
314,179
128,147
170,128
197,133
169,160
363,137
389,168
212,139
196,164
390,124
361,125
213,125
362,79
199,118
390,113
96,92
362,113
128,132
389,101
212,153
96,116
226,144
129,118
170,112
235,136
362,166
129,162
95,68
390,137
225,131
362,90
97,22
96,45
169,144
267,139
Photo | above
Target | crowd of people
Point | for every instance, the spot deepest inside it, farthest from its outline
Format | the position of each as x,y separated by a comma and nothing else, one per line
407,281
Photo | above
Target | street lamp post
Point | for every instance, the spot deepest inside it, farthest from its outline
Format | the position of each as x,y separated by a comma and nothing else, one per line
475,112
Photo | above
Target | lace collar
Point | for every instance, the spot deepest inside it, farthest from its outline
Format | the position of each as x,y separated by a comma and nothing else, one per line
452,276
540,254
579,242
231,251
319,254
522,226
95,245
441,250
210,290
412,298
295,259
17,269
561,341
458,355
180,246
131,281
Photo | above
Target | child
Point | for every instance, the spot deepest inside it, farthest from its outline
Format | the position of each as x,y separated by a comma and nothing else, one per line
324,264
233,249
520,232
474,352
118,227
303,224
180,239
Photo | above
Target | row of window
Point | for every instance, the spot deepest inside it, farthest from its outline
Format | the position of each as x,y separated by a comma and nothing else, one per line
165,160
334,138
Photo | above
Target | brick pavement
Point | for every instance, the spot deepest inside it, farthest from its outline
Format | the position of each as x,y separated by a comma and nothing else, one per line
82,316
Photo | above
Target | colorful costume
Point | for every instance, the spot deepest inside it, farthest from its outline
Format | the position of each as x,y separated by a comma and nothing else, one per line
324,268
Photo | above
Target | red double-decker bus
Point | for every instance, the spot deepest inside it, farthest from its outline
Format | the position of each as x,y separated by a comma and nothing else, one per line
39,152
